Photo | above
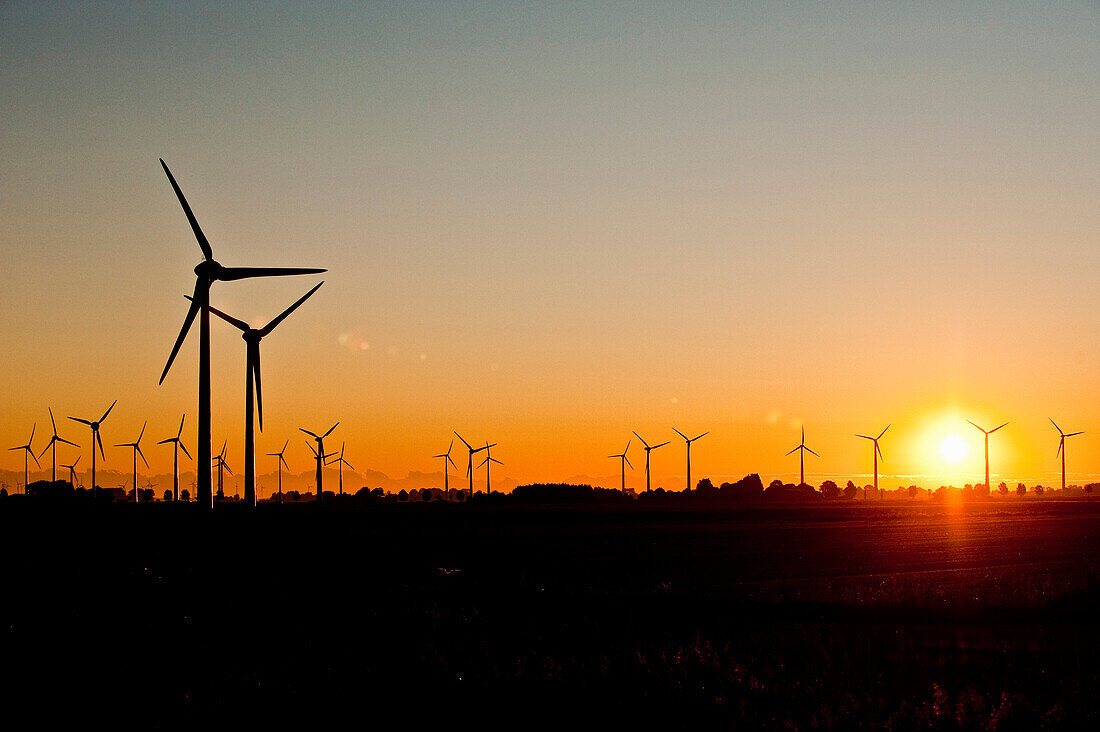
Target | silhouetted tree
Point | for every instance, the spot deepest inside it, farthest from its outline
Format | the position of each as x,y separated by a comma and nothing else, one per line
1038,490
1090,486
1003,488
1021,489
913,490
168,495
185,495
850,490
830,490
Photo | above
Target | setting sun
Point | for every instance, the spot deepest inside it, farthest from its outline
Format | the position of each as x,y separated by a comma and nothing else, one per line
953,449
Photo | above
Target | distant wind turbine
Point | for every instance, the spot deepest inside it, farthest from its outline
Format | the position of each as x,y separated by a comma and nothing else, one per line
219,460
341,462
206,273
136,446
648,448
987,433
96,439
178,445
72,472
1062,448
446,481
876,453
53,443
470,461
319,453
487,463
252,338
689,441
623,462
281,462
802,449
27,451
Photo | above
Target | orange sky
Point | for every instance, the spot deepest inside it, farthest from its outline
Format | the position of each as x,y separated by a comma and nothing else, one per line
549,227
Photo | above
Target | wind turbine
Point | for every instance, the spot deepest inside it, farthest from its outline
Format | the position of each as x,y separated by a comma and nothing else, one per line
252,337
342,462
689,441
648,449
53,443
623,462
1062,448
136,445
987,433
27,451
176,458
446,476
470,462
802,458
96,439
281,462
319,453
207,272
219,460
487,463
72,472
876,453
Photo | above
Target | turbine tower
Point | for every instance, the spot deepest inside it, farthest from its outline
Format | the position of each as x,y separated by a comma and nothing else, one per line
470,462
207,272
342,462
280,463
319,453
446,476
176,458
53,443
623,462
689,441
487,463
252,337
648,449
219,460
876,453
96,439
72,472
26,464
802,449
136,445
1062,448
987,433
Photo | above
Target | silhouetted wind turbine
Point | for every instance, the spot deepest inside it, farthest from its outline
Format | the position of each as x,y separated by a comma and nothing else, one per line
876,453
802,457
176,458
1062,448
987,433
72,472
342,462
470,462
96,439
219,460
27,451
648,449
487,463
281,462
623,462
207,272
446,475
53,443
319,453
136,445
689,441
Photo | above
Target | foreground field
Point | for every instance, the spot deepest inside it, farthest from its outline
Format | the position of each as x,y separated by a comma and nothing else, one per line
975,616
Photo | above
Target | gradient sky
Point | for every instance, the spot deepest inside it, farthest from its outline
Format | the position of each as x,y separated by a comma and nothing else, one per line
549,224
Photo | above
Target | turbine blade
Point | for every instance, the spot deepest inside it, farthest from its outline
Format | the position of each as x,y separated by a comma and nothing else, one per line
880,434
640,438
794,450
865,437
1061,444
33,457
139,452
104,417
62,439
54,424
284,447
483,463
1071,434
345,462
283,461
627,447
255,348
679,433
142,433
448,453
47,447
308,432
1055,425
493,459
165,442
182,447
975,425
312,449
227,468
452,462
628,461
192,311
467,444
203,243
180,431
997,428
806,448
656,446
230,274
82,421
239,324
693,439
879,451
271,326
330,429
100,441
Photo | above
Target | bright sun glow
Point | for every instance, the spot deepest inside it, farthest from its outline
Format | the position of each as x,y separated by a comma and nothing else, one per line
953,448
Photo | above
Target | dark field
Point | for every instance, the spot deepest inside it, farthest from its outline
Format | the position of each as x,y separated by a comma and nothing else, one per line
977,616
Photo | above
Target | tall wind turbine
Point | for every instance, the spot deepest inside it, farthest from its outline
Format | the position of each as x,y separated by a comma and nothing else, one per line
252,337
987,433
342,462
319,453
689,441
219,460
1062,448
446,481
470,462
136,445
96,439
53,443
207,272
178,443
623,462
487,463
876,453
281,462
648,448
802,449
27,451
72,472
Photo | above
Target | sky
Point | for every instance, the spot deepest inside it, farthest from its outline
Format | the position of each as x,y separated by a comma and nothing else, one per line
549,224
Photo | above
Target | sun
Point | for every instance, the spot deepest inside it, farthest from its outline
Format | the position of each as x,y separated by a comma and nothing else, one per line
953,449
